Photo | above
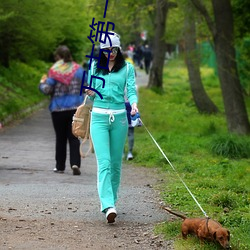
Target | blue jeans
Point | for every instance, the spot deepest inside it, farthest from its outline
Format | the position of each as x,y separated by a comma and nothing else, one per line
108,139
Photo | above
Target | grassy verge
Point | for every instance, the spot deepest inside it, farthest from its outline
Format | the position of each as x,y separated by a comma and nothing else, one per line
19,88
212,163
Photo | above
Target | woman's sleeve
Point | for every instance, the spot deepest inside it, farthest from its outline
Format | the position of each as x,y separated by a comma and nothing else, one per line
131,85
47,87
91,72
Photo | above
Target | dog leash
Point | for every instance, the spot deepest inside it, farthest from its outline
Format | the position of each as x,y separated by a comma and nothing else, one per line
174,169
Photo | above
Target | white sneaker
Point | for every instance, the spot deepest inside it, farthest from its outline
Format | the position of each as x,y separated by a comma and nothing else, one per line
130,156
58,171
111,214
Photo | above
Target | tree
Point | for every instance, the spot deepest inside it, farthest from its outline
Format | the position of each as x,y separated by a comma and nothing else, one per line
241,17
223,38
133,17
28,33
201,99
242,33
159,48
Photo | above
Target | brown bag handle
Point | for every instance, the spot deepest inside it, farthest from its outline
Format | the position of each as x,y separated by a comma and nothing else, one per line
85,139
91,148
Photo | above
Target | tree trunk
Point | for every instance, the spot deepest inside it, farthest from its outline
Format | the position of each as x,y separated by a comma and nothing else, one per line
223,38
235,109
159,47
201,99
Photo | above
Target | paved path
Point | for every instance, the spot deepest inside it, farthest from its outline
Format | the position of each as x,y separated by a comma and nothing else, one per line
141,78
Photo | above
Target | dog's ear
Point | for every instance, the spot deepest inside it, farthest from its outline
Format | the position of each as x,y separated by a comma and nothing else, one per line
228,237
214,235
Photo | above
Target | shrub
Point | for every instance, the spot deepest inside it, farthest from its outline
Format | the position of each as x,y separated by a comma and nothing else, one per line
223,200
231,146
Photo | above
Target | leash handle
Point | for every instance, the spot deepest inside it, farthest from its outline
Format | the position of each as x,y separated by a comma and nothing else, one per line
86,138
174,169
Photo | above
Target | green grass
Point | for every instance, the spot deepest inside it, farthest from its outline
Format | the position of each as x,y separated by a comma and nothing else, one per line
214,164
19,87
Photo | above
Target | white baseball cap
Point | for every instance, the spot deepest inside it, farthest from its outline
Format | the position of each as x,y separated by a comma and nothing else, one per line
115,40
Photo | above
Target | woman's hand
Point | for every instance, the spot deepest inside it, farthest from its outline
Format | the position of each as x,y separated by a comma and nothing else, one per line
43,79
134,109
90,92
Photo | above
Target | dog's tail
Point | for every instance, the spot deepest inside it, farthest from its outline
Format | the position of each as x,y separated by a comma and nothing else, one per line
175,213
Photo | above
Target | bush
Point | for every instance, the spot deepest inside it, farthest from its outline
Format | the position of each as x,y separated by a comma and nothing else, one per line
231,146
19,87
224,200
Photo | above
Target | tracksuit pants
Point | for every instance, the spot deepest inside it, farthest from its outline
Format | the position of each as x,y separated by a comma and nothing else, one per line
108,133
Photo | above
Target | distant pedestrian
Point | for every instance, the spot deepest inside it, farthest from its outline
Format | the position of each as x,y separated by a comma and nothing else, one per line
128,109
63,84
147,54
139,56
130,133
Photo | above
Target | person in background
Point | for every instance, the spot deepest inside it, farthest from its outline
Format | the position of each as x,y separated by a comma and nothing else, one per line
147,54
139,56
109,125
130,133
63,84
128,109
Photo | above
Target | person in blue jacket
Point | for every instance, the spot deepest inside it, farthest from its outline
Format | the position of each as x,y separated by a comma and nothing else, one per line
109,124
63,84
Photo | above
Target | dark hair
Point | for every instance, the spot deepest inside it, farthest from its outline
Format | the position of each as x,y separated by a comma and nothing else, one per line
119,63
64,53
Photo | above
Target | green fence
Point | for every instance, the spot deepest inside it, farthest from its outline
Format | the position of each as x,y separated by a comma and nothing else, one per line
208,58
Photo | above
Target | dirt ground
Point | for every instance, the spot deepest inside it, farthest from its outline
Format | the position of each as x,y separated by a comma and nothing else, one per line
40,209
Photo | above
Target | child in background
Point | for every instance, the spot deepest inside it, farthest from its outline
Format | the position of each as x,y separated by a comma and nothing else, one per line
130,133
130,128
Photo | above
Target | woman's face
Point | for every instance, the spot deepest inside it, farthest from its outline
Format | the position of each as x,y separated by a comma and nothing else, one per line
113,53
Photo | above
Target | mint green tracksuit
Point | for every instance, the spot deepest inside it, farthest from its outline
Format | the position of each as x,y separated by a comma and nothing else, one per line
109,130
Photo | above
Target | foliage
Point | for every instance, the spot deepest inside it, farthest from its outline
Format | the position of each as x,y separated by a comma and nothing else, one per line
19,87
242,37
175,25
220,184
133,18
241,17
230,146
27,33
243,48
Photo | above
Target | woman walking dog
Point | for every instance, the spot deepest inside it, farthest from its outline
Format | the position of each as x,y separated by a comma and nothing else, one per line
109,123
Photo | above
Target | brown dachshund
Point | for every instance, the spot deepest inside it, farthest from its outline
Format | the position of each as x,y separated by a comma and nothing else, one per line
204,229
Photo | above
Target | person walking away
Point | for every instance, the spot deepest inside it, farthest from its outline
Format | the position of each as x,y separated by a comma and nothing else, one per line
128,109
109,123
147,58
130,133
139,52
63,84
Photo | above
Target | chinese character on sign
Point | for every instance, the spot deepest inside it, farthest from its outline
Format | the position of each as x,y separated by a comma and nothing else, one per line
98,34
